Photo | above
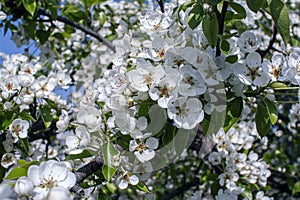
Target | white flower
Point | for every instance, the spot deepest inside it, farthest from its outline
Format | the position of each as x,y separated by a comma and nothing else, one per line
215,158
2,15
19,128
226,195
144,151
63,79
25,79
117,102
77,142
59,193
144,75
91,117
248,42
10,85
127,178
251,72
8,159
63,122
118,83
6,191
48,175
163,91
44,86
275,68
186,113
191,82
228,179
23,186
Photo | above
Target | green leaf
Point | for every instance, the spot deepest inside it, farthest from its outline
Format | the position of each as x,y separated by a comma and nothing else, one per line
84,154
239,9
43,36
102,18
280,16
210,29
225,46
108,172
46,115
25,115
111,187
195,16
262,119
278,85
6,119
109,152
232,59
30,6
24,144
141,186
272,110
213,2
158,118
227,36
255,5
20,170
2,173
169,134
296,188
234,110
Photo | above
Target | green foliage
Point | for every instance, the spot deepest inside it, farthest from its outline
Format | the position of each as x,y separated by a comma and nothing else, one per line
280,15
46,115
30,6
20,170
109,153
141,186
108,172
272,110
240,10
233,112
195,16
255,5
262,119
210,29
84,154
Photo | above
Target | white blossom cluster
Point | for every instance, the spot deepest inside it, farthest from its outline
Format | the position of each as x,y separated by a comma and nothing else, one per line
163,62
233,153
50,180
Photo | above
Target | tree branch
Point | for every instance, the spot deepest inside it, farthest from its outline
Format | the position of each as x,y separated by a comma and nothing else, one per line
272,41
161,5
83,172
221,19
80,27
181,189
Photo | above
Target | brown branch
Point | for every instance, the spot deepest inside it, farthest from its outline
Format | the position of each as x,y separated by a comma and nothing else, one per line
181,189
83,172
161,5
272,41
80,27
221,19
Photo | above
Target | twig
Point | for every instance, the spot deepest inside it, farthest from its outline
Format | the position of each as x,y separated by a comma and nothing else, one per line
272,41
161,5
80,27
181,189
83,173
221,19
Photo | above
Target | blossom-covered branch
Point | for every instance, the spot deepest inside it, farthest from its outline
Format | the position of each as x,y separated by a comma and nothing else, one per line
80,27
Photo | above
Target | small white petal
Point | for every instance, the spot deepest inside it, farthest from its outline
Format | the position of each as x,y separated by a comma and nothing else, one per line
123,184
152,143
134,180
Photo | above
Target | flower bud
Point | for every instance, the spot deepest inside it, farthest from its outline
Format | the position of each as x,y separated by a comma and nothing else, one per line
24,186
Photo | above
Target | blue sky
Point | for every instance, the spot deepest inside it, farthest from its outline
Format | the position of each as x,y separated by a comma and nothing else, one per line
7,45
